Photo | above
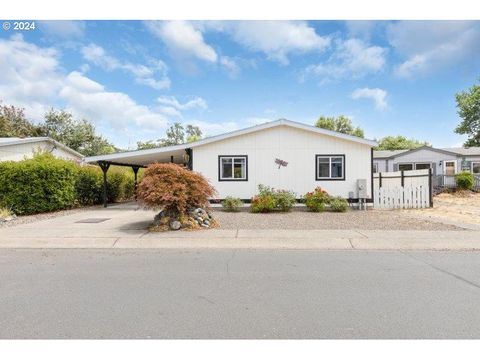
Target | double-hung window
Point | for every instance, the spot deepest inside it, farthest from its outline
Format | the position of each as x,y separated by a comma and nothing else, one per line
476,168
232,168
330,167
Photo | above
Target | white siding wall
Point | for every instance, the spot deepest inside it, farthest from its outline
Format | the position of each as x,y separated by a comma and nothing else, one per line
19,152
297,147
381,165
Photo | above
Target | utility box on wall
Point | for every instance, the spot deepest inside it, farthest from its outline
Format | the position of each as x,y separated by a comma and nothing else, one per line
362,188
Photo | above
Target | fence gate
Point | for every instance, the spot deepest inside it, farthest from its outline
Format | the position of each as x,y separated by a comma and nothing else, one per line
403,189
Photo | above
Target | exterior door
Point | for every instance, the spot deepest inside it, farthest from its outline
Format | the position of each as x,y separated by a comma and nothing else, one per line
450,168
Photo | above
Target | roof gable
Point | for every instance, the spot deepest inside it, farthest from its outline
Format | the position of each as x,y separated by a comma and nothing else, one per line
30,140
282,122
221,137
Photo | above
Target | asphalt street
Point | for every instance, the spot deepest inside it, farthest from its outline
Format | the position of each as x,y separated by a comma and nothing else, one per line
237,294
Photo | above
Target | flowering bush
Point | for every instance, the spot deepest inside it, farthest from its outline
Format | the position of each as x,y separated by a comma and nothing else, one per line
262,203
174,189
283,200
317,199
338,204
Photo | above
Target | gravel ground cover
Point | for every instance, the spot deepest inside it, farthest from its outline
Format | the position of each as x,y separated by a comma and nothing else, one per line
299,218
461,207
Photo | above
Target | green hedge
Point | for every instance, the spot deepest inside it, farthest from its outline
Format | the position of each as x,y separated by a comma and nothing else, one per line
45,184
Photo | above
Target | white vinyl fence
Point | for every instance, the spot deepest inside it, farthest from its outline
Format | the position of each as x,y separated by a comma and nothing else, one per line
402,189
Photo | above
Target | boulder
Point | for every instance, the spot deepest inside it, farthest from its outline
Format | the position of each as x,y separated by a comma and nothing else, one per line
175,225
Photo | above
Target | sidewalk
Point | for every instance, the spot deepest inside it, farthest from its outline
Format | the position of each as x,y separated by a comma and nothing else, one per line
249,239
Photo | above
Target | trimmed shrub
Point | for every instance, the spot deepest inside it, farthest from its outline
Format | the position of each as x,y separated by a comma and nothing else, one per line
464,180
89,185
232,204
262,204
40,184
283,200
338,204
316,200
174,189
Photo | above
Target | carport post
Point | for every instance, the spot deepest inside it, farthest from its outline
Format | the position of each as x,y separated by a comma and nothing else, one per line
104,166
135,171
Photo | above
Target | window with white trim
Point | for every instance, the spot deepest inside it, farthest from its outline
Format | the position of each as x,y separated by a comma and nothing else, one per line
330,167
233,168
375,167
405,166
476,167
422,166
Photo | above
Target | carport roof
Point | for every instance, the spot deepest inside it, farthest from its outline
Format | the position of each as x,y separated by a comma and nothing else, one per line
163,154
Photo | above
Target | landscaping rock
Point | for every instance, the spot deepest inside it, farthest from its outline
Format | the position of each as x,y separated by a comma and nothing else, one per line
195,218
175,225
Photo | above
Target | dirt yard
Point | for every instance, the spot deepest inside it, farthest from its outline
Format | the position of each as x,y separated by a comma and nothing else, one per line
456,207
299,218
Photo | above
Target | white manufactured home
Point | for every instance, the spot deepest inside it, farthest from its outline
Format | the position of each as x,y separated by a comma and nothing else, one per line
282,154
17,149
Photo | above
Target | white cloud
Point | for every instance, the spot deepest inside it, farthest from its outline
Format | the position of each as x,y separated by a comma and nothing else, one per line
88,98
33,78
427,46
196,102
29,75
230,65
352,58
375,94
63,28
183,39
276,39
143,75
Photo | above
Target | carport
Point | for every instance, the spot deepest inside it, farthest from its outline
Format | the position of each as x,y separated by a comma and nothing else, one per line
178,154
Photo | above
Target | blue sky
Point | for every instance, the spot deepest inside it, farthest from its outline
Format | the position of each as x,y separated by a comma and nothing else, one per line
133,79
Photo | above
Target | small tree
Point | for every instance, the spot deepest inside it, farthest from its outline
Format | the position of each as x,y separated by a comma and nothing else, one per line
174,189
468,104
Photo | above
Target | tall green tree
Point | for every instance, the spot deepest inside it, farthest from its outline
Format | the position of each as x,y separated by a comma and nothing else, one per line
176,134
78,134
399,142
468,104
340,124
13,123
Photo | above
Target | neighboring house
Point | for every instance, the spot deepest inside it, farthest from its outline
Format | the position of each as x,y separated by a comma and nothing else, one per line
444,162
17,149
282,154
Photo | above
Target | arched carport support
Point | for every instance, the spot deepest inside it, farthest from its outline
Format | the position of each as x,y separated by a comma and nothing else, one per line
105,165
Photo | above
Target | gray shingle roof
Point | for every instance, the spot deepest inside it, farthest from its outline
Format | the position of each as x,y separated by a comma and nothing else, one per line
472,151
